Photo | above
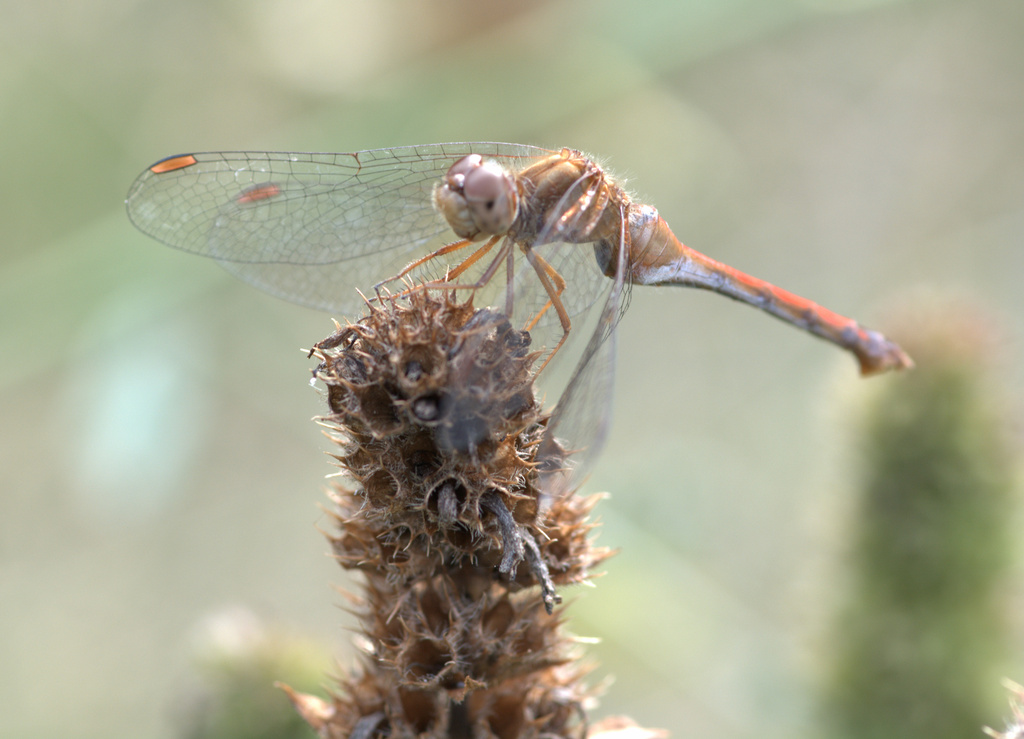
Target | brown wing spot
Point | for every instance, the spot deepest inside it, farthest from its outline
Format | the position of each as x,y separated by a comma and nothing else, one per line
172,164
259,192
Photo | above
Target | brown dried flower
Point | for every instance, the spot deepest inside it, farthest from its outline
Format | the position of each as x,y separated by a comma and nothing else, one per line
433,409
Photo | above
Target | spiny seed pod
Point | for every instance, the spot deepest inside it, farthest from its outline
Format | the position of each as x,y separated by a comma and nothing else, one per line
433,408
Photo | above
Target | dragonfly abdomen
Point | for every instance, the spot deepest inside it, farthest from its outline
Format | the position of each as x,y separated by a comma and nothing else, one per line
657,257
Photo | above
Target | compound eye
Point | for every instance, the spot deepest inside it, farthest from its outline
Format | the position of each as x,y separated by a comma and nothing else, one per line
485,183
491,197
456,176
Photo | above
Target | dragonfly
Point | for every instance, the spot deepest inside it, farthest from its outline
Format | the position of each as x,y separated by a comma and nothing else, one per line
542,235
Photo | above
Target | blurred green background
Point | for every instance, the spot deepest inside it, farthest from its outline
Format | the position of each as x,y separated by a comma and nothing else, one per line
158,464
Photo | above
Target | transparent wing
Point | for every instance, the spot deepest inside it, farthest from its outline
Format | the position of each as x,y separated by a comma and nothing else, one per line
306,227
578,427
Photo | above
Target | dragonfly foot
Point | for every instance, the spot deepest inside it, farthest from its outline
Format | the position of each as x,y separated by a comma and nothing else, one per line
511,536
519,544
539,568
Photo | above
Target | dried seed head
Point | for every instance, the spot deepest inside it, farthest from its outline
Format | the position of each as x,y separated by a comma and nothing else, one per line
433,406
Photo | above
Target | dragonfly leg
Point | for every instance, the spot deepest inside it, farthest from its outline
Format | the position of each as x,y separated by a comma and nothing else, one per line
553,284
591,207
446,249
574,207
454,272
559,285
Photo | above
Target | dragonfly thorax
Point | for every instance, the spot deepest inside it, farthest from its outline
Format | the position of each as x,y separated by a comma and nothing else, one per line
569,198
478,198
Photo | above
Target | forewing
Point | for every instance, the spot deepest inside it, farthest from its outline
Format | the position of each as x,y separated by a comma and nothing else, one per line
307,227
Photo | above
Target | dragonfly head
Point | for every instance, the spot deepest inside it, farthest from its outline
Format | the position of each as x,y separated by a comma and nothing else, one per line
478,198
